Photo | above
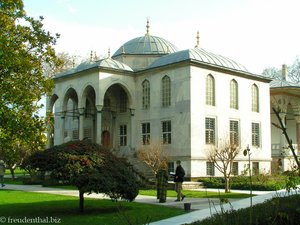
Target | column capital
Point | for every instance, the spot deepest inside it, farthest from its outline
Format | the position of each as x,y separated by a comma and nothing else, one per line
81,111
99,108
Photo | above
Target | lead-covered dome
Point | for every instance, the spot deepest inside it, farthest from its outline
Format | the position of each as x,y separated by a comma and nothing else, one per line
199,55
146,45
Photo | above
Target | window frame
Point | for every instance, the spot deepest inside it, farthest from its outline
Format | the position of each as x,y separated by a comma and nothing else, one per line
166,126
234,94
123,135
146,133
166,91
210,90
146,94
210,131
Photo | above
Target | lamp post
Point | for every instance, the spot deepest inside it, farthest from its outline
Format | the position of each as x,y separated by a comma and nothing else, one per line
247,152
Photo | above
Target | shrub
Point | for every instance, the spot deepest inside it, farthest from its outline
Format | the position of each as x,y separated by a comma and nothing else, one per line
277,211
259,182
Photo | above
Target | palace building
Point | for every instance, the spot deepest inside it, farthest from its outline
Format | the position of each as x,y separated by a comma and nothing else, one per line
149,91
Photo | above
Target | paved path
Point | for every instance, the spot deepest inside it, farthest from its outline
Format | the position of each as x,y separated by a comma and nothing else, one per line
200,207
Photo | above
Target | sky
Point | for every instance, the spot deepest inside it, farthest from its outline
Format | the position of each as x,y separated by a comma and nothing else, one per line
256,33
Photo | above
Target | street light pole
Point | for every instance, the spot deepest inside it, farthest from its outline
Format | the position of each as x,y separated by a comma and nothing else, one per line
247,152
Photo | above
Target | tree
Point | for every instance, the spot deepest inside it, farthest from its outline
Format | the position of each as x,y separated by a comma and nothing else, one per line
24,48
294,71
272,72
89,167
282,127
223,156
154,155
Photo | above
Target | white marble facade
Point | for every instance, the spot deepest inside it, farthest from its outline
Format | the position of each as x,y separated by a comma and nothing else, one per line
149,91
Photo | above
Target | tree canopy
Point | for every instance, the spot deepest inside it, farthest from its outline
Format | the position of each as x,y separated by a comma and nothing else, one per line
24,48
89,167
293,72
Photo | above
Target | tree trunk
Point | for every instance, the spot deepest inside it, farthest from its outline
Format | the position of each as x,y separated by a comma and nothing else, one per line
12,172
227,184
81,201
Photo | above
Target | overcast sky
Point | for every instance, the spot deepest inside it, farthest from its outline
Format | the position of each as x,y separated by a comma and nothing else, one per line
255,33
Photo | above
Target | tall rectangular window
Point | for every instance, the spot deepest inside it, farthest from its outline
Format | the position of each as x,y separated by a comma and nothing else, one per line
235,168
166,91
255,168
166,132
234,132
171,167
255,98
210,90
233,94
123,135
210,130
210,168
255,134
146,94
146,133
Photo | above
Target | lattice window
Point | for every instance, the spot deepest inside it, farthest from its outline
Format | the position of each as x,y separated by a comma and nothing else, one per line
166,132
256,134
255,98
234,94
166,91
210,90
255,168
235,168
146,133
146,94
210,169
234,132
123,135
210,130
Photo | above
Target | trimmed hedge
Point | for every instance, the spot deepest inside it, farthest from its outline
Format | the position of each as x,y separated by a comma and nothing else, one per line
259,182
276,211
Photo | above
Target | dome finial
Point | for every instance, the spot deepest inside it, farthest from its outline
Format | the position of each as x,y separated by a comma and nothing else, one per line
198,38
147,26
91,56
108,53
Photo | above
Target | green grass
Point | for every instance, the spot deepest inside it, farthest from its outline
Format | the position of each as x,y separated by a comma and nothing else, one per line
197,194
18,204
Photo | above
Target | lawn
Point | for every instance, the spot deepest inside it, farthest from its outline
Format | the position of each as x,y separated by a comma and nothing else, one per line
20,205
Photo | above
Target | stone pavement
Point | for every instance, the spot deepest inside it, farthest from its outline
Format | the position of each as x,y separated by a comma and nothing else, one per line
200,207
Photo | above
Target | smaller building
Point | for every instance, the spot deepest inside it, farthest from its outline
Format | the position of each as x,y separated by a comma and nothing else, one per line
285,98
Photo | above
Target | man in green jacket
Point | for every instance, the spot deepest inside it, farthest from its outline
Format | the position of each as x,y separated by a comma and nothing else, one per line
178,179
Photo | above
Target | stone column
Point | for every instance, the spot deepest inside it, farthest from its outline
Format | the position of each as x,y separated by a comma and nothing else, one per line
132,139
99,124
62,128
81,121
49,130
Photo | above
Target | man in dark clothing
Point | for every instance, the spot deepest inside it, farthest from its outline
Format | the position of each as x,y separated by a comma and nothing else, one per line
178,179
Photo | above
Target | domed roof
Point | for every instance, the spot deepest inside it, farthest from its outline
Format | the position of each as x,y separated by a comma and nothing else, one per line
199,55
146,45
107,63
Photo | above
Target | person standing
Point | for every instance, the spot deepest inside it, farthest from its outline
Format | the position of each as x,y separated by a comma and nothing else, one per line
2,172
162,184
178,179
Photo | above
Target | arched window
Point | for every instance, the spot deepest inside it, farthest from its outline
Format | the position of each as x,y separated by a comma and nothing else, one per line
146,94
210,90
166,91
234,95
255,98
